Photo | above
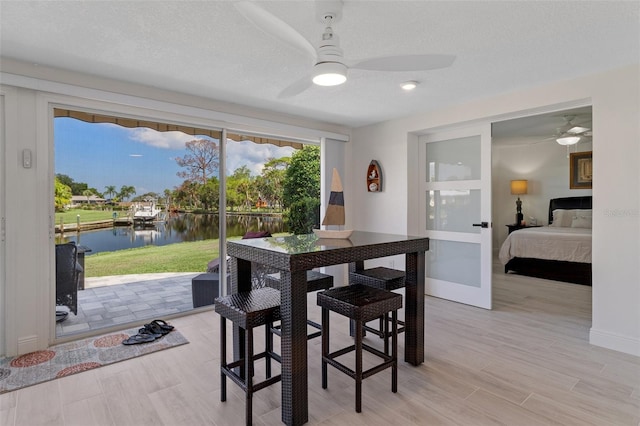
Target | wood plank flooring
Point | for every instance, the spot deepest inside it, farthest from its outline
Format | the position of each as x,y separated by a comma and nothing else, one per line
526,362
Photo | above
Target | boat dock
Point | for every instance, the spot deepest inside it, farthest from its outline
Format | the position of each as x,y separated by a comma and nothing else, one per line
98,224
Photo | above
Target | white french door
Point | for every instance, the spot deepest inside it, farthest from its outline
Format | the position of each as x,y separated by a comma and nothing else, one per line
455,210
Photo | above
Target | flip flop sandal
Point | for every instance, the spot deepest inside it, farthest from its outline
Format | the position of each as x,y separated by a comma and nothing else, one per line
154,328
61,315
138,338
163,324
145,330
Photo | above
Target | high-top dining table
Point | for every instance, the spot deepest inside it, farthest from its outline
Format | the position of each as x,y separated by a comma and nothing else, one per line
292,256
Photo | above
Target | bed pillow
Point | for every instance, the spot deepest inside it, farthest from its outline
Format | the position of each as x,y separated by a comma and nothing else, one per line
582,212
562,218
581,221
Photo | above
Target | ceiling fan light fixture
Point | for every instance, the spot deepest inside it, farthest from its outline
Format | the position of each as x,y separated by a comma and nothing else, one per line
409,85
568,140
329,73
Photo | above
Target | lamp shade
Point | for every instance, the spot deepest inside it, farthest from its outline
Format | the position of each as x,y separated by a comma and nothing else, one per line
518,187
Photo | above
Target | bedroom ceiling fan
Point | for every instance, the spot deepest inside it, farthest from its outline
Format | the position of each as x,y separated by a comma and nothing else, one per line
330,68
571,134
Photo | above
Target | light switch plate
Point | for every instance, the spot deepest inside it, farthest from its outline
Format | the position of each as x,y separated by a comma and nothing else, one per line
26,158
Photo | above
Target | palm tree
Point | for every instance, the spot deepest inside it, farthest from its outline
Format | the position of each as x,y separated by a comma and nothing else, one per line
110,190
87,193
126,192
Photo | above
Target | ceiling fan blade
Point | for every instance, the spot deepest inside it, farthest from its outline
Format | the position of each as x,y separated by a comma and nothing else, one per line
296,88
577,130
405,63
274,26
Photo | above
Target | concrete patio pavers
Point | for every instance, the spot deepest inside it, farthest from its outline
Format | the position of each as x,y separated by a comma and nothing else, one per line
120,299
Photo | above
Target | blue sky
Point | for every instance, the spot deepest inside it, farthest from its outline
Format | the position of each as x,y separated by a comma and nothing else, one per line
102,154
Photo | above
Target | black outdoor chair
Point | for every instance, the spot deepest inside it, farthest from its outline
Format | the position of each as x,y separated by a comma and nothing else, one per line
67,272
258,272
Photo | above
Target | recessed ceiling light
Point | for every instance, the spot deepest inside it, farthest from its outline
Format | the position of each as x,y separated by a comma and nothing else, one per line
409,85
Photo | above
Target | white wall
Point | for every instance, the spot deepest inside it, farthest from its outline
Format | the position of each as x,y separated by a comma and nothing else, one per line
546,168
615,96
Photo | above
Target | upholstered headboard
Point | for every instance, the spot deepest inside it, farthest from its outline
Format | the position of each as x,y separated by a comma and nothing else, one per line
568,203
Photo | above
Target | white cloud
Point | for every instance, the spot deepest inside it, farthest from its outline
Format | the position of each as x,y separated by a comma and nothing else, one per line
245,153
253,155
165,140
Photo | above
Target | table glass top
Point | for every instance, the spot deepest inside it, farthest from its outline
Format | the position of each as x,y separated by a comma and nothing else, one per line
308,243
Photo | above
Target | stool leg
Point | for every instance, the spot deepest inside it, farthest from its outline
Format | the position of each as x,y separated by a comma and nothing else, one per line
268,343
223,358
358,366
394,349
325,345
385,333
248,361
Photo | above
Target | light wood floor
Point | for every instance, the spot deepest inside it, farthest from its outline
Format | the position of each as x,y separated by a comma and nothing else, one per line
527,362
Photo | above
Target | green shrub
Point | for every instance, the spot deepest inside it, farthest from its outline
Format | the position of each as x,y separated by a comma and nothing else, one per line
303,216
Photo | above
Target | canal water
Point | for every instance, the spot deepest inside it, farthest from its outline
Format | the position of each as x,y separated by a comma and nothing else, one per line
177,228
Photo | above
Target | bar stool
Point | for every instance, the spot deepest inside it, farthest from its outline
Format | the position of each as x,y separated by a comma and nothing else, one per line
360,303
316,281
382,278
248,310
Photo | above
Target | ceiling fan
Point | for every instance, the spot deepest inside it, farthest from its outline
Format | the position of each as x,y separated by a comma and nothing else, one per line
571,134
329,65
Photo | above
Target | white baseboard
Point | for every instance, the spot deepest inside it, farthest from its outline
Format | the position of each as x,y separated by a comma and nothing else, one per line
27,344
617,342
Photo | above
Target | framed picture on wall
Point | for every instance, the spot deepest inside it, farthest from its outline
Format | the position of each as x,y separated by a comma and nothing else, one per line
580,170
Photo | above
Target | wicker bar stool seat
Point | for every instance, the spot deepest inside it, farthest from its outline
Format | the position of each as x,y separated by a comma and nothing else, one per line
316,281
248,310
382,278
360,303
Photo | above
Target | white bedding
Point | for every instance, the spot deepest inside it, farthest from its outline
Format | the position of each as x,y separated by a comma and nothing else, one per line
550,243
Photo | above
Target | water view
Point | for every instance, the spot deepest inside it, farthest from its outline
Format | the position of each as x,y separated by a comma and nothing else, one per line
177,228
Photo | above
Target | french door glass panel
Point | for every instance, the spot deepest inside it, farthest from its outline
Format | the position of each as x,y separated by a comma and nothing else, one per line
451,160
454,262
453,210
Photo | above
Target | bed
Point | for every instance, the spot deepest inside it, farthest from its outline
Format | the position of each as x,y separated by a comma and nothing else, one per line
560,251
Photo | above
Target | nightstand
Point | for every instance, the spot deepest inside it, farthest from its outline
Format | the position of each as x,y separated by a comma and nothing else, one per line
515,227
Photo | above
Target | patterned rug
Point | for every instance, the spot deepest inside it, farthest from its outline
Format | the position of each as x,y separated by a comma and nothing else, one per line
74,357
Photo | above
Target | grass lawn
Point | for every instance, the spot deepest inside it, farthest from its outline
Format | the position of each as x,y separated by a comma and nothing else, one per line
180,257
71,216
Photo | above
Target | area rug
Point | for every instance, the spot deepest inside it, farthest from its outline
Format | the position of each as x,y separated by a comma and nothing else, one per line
74,357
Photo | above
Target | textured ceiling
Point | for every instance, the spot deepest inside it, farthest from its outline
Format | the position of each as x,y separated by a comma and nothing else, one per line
207,48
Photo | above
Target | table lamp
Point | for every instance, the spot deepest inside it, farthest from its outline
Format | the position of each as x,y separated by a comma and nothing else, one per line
518,187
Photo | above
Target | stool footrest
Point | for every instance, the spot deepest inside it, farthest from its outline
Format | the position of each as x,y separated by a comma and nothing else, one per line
331,359
241,382
380,333
277,330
